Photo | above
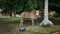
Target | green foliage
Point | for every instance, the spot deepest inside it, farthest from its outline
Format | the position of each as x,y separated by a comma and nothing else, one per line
27,5
20,5
55,5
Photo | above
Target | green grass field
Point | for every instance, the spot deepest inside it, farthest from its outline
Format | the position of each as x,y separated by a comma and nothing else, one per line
11,26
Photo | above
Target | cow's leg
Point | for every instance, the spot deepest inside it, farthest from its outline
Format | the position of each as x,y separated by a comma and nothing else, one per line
32,22
22,28
21,22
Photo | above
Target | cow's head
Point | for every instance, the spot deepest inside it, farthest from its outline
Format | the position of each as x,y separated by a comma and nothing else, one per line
38,13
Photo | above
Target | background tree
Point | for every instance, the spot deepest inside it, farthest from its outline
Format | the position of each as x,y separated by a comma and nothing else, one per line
19,6
55,5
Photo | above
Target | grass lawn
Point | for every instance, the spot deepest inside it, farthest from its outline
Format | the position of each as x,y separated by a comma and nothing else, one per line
7,24
11,26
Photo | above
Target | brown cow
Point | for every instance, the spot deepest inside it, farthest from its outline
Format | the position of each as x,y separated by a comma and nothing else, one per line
30,15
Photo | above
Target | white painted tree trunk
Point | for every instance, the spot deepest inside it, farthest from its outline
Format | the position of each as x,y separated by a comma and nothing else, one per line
46,20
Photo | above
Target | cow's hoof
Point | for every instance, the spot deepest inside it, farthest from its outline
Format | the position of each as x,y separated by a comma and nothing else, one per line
22,28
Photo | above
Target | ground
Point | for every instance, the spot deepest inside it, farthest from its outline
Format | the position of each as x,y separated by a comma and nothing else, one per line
11,26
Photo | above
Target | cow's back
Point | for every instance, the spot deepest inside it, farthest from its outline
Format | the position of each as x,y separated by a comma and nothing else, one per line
25,15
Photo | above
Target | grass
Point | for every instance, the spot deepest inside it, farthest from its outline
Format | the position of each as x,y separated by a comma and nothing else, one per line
6,24
8,20
11,26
